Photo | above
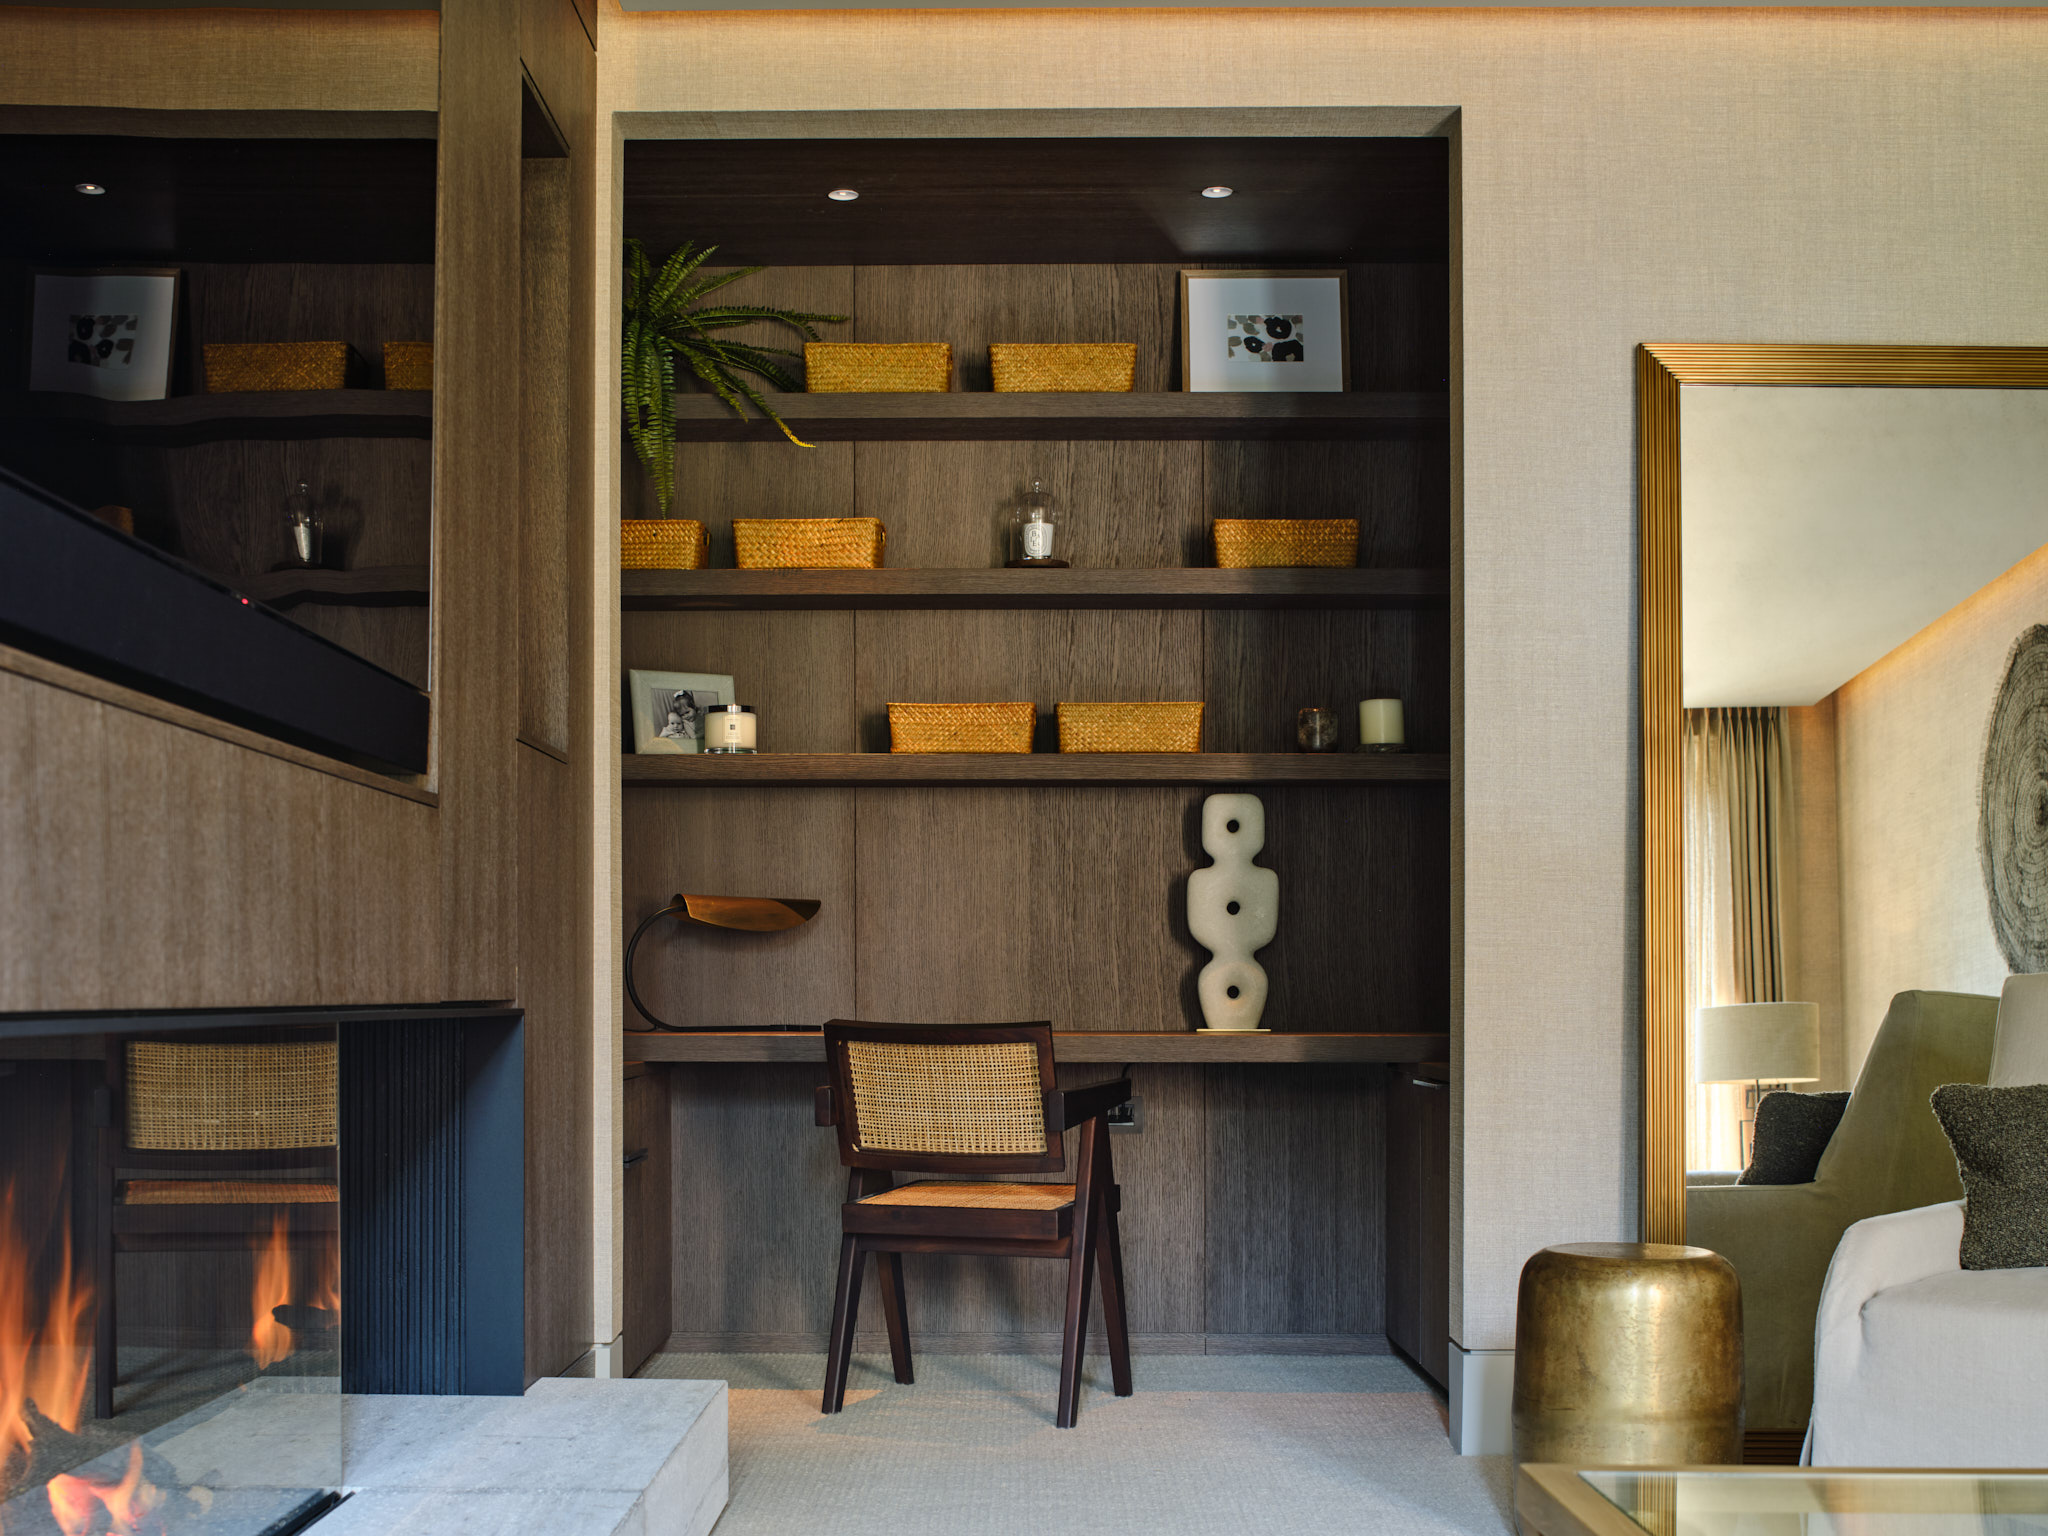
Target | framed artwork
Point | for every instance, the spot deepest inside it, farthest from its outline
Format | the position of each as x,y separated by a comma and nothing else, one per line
1254,332
106,332
668,708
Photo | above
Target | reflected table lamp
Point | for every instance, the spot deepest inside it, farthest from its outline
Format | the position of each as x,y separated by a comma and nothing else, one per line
1757,1043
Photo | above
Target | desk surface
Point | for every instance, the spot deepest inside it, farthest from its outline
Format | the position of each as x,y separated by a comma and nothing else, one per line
1113,1047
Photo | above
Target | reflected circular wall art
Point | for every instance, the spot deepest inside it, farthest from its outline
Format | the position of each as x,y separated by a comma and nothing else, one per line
2012,807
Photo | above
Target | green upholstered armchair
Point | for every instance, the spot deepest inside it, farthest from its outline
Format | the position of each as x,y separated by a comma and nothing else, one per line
1888,1154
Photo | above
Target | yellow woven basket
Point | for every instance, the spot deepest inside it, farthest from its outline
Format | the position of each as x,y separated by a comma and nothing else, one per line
1094,367
1131,727
878,367
408,365
232,368
961,727
1242,543
663,544
808,543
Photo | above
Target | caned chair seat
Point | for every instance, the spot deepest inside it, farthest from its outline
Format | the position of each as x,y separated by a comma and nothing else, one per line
978,1196
226,1192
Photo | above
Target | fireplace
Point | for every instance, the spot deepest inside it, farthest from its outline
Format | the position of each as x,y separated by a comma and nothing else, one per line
212,1227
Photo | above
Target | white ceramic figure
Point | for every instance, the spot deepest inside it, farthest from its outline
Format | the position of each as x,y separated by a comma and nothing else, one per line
1233,910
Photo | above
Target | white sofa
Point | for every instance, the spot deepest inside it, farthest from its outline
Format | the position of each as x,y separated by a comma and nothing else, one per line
1917,1361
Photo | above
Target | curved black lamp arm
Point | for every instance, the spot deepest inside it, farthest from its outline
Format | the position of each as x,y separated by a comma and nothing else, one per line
672,909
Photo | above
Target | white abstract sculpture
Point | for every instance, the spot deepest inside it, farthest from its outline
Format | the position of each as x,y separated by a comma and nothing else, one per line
1233,910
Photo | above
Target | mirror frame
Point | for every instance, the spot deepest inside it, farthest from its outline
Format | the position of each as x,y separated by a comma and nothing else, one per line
1661,369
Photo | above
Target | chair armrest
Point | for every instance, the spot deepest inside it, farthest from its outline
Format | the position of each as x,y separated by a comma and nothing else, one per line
823,1110
1711,1178
1880,1252
1066,1108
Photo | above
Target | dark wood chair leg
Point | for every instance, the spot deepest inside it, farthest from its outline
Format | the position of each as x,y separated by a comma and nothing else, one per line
1110,1259
896,1314
1080,1267
845,1309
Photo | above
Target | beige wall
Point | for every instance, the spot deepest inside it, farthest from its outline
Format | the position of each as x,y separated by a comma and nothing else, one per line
1626,177
1912,730
1812,880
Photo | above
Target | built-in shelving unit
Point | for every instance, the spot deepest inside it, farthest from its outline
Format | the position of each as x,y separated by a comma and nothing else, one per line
817,769
376,586
982,588
990,417
1115,1047
270,415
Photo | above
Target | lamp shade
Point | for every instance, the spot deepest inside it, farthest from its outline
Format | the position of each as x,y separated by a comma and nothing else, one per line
1758,1042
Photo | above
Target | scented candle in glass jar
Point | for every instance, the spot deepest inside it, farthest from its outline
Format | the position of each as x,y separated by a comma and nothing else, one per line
729,728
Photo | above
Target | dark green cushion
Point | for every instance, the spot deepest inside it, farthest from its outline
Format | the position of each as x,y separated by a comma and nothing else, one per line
1792,1130
2000,1137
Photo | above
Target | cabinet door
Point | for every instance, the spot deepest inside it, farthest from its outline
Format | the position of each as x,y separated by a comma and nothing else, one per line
649,1251
1419,1219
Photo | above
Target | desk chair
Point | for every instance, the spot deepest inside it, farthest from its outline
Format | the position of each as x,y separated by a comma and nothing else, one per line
969,1100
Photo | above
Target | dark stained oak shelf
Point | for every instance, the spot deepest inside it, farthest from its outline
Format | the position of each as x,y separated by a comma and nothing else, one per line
990,588
705,770
375,586
1081,1045
263,415
990,417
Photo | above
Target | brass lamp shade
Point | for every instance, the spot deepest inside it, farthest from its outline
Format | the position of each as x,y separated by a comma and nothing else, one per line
1758,1043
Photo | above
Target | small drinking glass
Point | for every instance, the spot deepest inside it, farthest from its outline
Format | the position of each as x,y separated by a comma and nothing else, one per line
1315,729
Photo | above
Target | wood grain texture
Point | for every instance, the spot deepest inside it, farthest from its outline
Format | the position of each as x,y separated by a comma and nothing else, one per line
1292,1168
1043,767
544,466
796,669
185,419
649,1216
742,842
561,60
476,269
1263,667
558,1069
1418,1205
1074,1047
731,591
154,866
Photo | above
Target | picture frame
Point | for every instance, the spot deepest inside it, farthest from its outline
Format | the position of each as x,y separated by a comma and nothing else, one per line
109,332
668,708
1259,332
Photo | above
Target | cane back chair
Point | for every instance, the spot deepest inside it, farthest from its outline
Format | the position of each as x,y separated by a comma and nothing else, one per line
969,1100
237,1140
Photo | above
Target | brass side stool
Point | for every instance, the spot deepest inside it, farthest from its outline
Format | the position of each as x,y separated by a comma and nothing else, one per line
1628,1354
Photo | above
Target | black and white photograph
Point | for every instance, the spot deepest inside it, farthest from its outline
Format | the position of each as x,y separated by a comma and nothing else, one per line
668,708
106,333
1264,332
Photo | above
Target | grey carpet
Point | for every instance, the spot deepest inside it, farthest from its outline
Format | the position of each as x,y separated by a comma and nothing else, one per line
1222,1444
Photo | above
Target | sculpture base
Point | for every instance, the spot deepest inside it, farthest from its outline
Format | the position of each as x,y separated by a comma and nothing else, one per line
1205,1030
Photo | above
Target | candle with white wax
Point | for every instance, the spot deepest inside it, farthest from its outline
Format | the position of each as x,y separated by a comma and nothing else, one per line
729,728
1379,725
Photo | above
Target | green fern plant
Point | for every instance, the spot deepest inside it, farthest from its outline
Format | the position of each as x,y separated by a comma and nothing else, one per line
668,327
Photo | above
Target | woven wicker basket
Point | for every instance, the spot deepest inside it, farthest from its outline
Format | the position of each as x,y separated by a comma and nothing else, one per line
230,1098
663,544
808,543
1130,727
270,365
408,365
961,727
1095,367
878,367
1242,543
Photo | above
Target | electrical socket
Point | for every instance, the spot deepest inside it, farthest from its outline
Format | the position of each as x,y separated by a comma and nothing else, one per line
1125,1116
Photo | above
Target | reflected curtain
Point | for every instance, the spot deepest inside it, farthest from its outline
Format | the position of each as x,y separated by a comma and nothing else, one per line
1734,763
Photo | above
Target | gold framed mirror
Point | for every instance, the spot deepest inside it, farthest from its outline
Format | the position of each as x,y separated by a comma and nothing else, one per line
1664,371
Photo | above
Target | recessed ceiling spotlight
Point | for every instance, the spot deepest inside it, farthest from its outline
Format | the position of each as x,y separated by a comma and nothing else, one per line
1216,191
842,194
90,189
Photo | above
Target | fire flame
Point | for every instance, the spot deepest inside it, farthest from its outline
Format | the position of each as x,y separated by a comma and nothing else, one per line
43,1359
269,1340
131,1504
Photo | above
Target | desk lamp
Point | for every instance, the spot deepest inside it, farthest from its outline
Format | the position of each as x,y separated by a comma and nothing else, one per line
746,914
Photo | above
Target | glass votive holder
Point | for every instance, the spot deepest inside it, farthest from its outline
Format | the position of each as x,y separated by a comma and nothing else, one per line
1380,726
1315,729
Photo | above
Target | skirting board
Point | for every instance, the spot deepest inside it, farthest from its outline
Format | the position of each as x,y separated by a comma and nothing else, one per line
1482,1401
1035,1343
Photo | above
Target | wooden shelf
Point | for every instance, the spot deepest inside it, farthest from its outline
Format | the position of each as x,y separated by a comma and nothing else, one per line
988,417
926,769
374,586
1102,1046
265,415
989,588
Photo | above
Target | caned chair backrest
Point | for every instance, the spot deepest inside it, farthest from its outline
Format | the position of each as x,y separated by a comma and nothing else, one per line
183,1097
943,1098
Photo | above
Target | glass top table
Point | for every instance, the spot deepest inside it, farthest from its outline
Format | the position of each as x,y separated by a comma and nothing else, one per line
1790,1501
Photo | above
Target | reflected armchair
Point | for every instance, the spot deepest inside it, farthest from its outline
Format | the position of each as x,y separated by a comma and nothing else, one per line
1888,1154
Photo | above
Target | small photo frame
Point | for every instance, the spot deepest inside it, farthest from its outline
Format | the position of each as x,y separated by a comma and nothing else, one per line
668,708
1263,332
106,332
